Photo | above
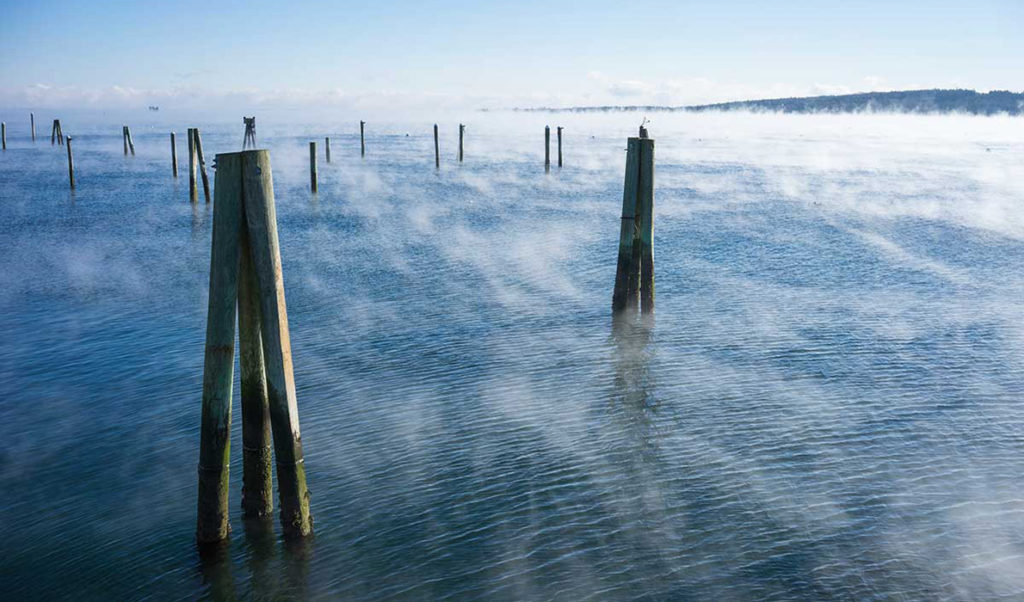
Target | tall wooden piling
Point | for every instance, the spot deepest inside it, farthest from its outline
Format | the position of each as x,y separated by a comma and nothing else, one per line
3,135
257,458
174,156
462,130
56,134
437,150
559,146
124,138
32,120
60,134
71,166
193,194
245,273
634,274
547,148
327,149
202,163
284,415
219,362
362,139
312,166
128,136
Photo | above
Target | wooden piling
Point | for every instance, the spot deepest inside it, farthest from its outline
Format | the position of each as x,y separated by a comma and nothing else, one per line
312,166
202,163
32,120
627,231
559,146
174,156
71,166
257,458
362,139
257,184
128,136
60,134
53,133
3,135
249,141
547,148
218,368
327,149
634,274
645,200
437,150
462,130
193,194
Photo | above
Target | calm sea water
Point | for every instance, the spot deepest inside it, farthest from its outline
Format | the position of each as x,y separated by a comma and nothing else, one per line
827,404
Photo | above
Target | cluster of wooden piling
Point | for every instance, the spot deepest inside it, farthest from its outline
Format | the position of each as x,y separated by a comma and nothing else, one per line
249,140
56,134
129,144
195,162
245,276
634,274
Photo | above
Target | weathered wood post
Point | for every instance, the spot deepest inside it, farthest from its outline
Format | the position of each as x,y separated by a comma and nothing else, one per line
60,134
53,133
193,194
3,135
462,130
202,163
257,459
71,166
32,120
284,415
250,132
645,200
559,146
437,150
312,166
174,156
547,148
131,143
362,139
219,360
124,138
634,274
327,148
245,273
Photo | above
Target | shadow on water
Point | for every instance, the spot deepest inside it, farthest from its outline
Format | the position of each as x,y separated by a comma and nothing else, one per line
633,385
276,569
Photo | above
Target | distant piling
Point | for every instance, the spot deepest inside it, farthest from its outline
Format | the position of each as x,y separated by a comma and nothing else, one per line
56,134
634,274
462,130
547,148
437,150
174,156
249,140
202,163
126,136
32,120
312,166
3,135
193,194
327,149
362,139
559,146
71,166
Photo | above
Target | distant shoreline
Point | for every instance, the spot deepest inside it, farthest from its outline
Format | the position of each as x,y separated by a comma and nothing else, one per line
935,101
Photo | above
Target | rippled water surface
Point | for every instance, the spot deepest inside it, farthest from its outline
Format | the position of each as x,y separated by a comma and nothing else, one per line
828,403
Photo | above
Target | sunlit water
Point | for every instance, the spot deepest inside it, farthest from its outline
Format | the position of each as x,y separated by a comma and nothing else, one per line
827,405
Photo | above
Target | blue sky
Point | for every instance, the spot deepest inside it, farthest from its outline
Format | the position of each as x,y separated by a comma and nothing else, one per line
411,53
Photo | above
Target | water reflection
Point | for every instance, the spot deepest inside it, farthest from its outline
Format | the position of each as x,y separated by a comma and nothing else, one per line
275,568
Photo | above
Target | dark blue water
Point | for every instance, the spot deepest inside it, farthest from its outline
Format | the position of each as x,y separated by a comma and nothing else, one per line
827,404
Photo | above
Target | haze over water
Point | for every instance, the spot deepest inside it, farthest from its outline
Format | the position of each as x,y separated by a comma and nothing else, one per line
825,406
